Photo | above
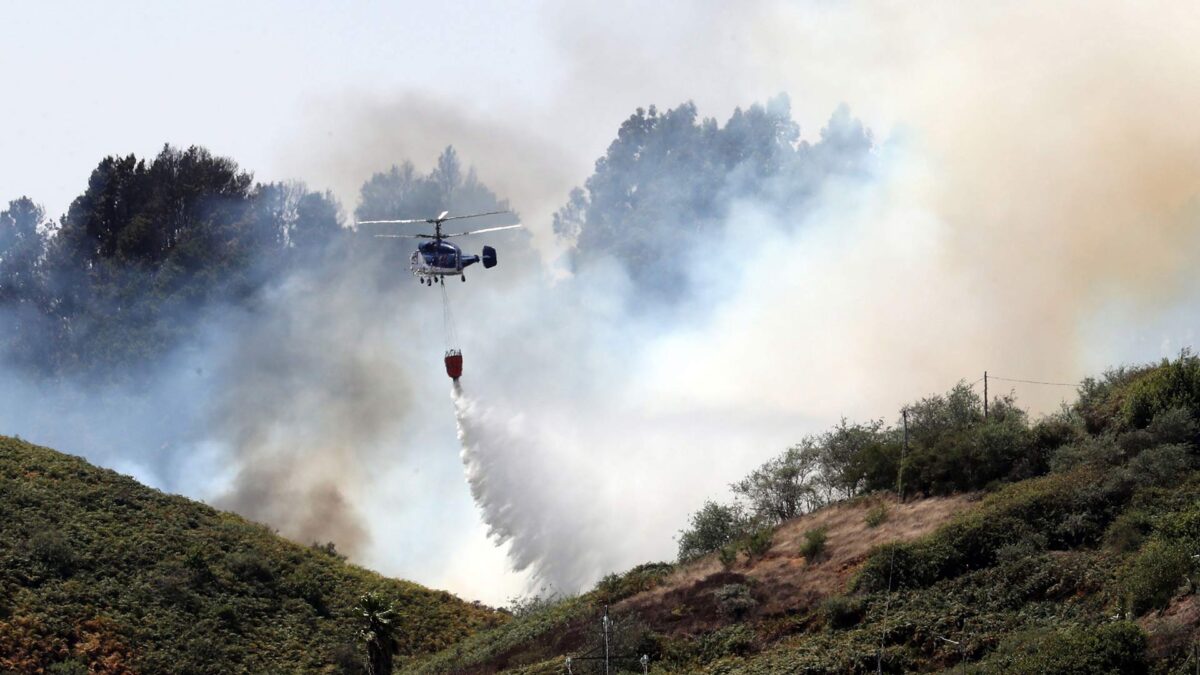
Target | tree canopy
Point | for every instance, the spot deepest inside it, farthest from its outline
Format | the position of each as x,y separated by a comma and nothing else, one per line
670,181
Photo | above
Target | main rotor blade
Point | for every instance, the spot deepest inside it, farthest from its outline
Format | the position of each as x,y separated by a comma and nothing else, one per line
394,222
486,229
473,215
405,236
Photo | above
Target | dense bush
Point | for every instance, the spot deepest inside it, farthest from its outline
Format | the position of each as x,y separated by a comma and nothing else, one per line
1116,648
734,600
615,587
786,486
1173,384
758,542
842,611
1062,510
712,527
876,515
814,543
1161,465
1153,576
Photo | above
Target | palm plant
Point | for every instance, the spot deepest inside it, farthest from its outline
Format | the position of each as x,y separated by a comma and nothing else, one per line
378,632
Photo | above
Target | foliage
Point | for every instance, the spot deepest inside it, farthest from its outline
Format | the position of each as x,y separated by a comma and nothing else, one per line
712,527
1062,510
757,543
1158,570
1117,648
615,587
1128,530
952,448
735,600
402,192
378,631
1172,385
727,555
120,278
842,611
876,515
525,605
843,455
784,487
95,567
671,175
814,543
154,245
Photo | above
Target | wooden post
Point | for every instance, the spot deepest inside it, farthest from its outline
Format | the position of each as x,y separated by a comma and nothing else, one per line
900,469
985,397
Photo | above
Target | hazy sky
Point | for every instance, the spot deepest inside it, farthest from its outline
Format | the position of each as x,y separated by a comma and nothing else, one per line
271,83
87,79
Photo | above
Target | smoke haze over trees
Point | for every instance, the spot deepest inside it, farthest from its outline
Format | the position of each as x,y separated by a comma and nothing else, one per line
671,180
125,275
273,353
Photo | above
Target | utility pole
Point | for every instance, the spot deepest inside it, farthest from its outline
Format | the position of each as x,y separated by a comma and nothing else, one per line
900,469
985,411
606,640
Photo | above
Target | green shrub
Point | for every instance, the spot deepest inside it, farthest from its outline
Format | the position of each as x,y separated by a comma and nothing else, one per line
1094,451
615,587
1161,465
1062,510
251,567
1172,385
733,640
1128,531
713,526
526,605
814,543
728,556
734,600
758,543
1102,399
876,515
1174,425
68,668
1116,648
843,611
1156,573
53,551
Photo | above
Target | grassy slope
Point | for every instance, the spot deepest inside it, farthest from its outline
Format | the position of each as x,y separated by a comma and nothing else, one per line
1027,579
97,568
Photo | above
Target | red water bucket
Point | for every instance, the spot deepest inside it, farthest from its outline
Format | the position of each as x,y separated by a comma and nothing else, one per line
454,363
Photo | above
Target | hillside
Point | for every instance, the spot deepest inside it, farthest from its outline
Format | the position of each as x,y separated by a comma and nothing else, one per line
999,575
101,574
1081,557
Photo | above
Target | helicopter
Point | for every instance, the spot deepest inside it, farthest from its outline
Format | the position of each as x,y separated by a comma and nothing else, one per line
437,259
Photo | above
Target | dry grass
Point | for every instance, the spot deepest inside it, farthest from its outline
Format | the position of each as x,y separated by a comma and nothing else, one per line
783,580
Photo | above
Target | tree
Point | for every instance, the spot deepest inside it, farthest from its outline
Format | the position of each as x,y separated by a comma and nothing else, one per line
378,632
785,487
713,526
22,247
402,192
672,176
399,192
843,449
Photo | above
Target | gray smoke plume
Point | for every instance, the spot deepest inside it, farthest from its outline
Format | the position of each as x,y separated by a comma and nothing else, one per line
312,386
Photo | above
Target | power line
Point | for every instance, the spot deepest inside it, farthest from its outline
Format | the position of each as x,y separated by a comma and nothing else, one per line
1053,384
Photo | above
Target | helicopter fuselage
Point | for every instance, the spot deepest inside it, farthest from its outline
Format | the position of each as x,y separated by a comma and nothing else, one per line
440,258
